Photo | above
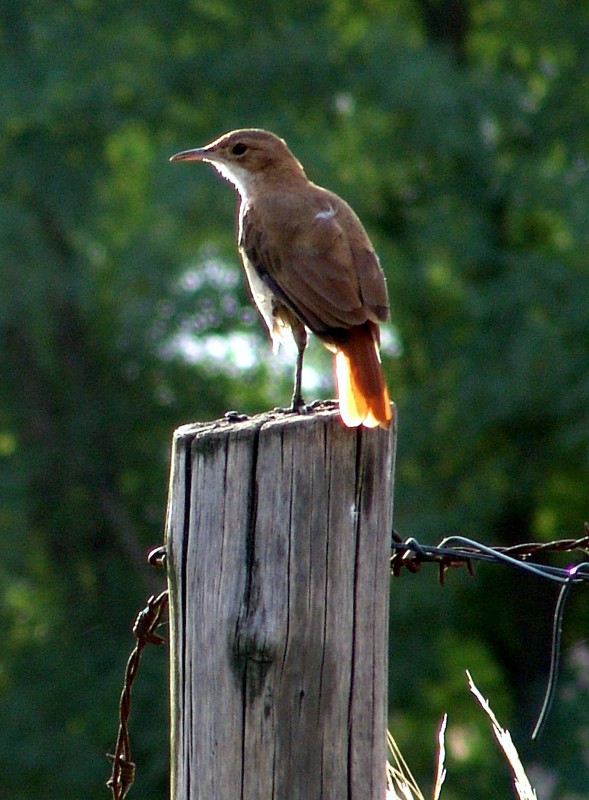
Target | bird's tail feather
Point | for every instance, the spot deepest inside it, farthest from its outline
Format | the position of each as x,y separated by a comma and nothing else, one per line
363,396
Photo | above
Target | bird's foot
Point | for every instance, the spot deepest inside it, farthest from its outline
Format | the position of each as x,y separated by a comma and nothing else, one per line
308,408
323,405
297,406
304,409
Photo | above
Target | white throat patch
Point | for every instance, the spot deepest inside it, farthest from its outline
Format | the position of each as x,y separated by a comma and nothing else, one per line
236,175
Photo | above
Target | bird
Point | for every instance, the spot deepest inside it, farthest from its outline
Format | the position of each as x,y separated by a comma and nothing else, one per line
310,266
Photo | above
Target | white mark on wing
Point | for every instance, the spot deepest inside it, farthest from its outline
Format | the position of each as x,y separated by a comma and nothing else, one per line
329,213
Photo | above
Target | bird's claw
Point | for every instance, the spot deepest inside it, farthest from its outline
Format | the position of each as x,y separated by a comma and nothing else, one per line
296,407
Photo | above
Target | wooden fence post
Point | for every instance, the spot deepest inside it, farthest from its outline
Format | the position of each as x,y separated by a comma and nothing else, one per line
278,536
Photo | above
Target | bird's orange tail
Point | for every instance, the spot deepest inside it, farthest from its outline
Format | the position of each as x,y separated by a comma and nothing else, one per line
363,396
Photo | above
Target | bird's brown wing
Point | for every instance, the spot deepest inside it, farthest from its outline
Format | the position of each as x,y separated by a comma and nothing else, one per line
315,257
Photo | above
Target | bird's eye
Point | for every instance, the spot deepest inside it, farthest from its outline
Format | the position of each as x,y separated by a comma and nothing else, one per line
239,149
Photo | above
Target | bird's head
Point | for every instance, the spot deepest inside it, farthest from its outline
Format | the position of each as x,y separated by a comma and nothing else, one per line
246,157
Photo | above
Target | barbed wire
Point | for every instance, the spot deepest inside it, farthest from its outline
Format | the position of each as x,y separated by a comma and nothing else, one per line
453,551
459,551
144,630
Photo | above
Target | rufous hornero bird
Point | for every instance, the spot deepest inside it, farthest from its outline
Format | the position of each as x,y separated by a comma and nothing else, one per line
310,266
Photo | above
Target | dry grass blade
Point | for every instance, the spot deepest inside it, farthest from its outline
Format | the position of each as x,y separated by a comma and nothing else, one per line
401,784
441,769
522,784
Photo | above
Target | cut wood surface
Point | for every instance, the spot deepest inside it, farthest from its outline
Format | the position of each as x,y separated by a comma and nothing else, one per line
278,538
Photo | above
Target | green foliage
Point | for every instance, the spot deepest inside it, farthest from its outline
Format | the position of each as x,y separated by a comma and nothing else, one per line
459,132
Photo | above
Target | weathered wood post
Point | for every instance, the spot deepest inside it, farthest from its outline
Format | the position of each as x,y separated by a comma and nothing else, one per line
278,540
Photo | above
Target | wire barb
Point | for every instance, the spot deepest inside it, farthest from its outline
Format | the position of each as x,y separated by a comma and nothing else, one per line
144,630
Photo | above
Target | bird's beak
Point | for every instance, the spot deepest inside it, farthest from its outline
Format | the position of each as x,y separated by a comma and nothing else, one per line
199,154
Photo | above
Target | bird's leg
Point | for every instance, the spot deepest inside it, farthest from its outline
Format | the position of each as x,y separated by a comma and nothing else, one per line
299,333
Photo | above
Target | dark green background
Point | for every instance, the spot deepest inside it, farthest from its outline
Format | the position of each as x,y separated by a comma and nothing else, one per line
458,131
